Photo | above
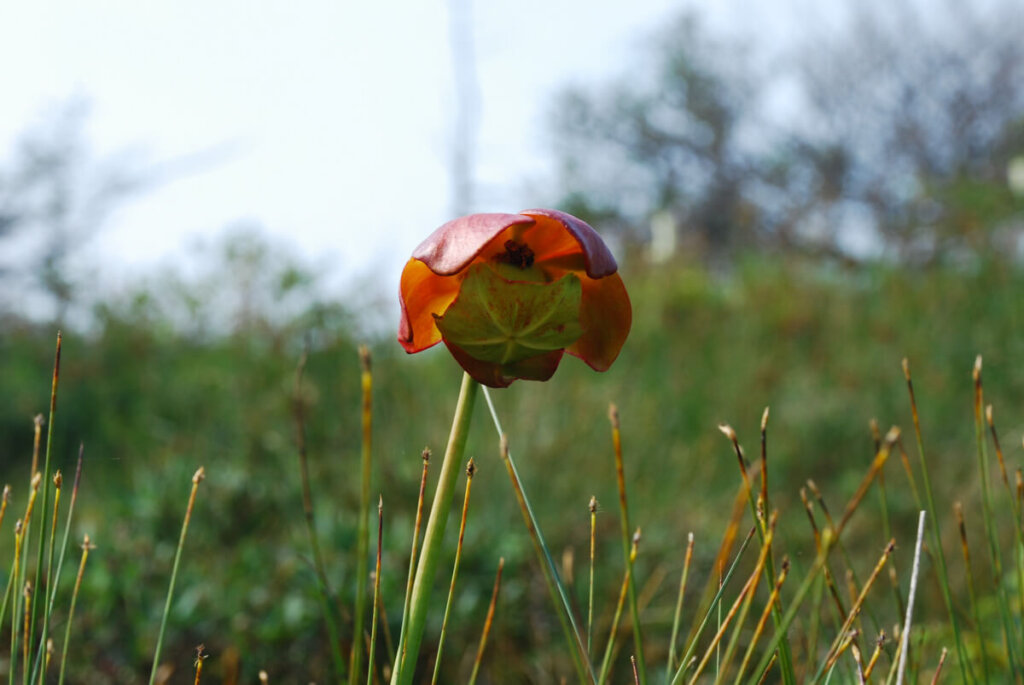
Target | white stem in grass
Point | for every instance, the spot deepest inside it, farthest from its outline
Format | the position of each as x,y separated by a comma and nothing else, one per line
905,637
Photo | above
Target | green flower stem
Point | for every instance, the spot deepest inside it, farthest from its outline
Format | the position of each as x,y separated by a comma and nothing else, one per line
409,648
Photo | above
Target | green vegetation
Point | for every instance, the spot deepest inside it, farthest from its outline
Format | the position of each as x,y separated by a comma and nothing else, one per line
821,345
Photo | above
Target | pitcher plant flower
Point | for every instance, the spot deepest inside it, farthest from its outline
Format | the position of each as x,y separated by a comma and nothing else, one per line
509,294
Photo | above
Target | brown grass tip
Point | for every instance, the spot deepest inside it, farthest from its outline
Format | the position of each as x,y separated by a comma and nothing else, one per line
18,525
87,542
988,414
364,358
7,493
613,415
58,480
199,475
727,431
764,419
636,537
592,504
36,480
425,455
504,446
890,546
380,504
470,468
893,435
906,368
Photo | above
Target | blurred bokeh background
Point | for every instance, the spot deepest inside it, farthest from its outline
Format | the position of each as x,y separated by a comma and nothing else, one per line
800,195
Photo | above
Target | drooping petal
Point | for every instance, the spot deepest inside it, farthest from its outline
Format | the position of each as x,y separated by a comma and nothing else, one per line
422,293
606,315
454,245
597,258
538,368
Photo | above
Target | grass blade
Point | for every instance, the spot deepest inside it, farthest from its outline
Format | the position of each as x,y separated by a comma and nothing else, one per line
376,593
425,455
638,640
307,508
487,623
592,507
363,530
86,546
470,471
196,480
671,665
936,536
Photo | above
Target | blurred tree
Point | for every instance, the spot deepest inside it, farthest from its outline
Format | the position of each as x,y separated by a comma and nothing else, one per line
897,131
670,144
924,108
54,198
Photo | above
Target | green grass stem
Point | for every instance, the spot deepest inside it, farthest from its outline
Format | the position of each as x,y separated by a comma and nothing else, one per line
785,653
63,549
692,647
761,669
670,666
319,569
762,621
1010,639
592,507
376,593
363,529
559,597
470,471
966,673
613,631
196,480
411,575
46,492
638,639
488,622
86,546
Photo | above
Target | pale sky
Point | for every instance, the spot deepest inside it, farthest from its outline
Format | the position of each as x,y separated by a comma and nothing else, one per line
335,116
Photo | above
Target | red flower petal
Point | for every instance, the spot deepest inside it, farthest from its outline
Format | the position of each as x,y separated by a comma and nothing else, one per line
606,315
454,245
422,293
596,255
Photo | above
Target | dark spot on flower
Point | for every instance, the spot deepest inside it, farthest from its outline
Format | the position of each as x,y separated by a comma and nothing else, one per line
517,254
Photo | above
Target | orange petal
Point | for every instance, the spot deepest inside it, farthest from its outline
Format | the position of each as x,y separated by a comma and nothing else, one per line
606,315
422,293
559,234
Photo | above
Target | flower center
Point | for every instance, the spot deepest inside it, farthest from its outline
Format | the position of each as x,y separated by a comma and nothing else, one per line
517,254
